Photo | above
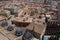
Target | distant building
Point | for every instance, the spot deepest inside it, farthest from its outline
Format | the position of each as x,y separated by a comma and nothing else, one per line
3,0
56,0
59,11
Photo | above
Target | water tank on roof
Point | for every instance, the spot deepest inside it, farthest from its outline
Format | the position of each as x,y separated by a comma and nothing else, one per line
44,38
27,36
4,23
47,7
19,32
10,28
